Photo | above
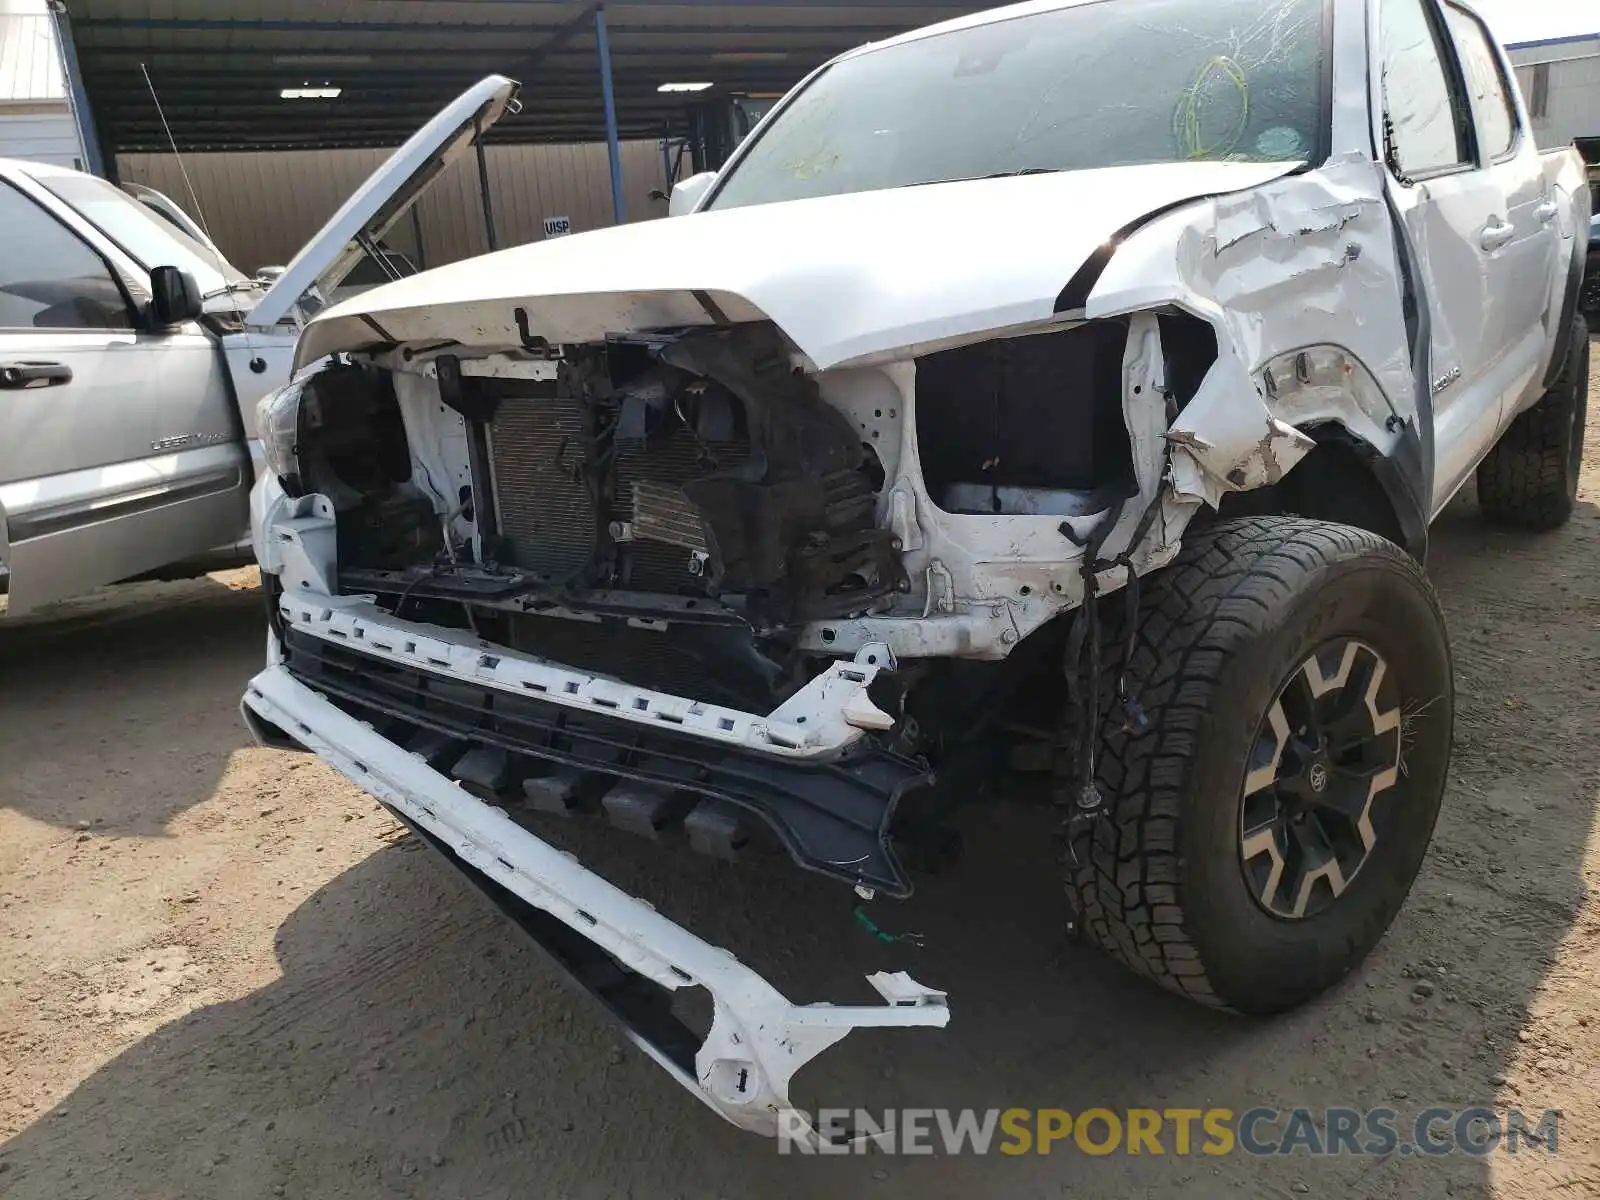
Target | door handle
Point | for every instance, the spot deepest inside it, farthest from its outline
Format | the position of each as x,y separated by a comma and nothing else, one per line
15,376
1496,234
1547,212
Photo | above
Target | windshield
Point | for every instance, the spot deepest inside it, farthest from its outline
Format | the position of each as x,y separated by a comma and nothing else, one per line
167,211
149,239
1096,85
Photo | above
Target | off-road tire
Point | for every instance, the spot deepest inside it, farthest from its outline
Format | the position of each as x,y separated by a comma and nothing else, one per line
1530,479
1156,880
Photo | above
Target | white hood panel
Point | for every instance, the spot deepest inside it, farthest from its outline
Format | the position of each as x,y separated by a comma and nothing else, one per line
845,277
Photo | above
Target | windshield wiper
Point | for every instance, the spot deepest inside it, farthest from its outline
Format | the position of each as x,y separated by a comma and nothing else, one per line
237,287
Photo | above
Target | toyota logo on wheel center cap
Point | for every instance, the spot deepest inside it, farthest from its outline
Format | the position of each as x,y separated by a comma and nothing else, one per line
1319,777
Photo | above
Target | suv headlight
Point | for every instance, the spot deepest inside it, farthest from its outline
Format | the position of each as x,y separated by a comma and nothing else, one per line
278,425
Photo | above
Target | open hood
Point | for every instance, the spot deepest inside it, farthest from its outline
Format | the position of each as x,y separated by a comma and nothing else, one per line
386,196
844,277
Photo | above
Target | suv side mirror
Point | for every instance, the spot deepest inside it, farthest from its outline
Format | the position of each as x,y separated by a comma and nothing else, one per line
689,192
174,297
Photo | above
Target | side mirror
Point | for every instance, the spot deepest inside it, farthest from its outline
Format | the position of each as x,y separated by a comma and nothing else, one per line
689,193
174,297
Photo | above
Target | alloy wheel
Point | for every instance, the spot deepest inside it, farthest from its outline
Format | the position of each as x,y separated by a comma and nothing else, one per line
1326,753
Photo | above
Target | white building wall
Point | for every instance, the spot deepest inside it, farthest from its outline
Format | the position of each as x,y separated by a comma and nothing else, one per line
40,133
261,206
1568,104
36,119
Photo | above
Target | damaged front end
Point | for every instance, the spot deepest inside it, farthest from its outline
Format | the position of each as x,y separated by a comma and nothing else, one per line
677,581
768,590
664,559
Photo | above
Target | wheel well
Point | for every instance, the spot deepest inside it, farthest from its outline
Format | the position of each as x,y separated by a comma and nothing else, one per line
1338,481
1343,480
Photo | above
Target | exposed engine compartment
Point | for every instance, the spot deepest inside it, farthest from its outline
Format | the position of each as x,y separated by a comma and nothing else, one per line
675,508
991,415
694,515
664,509
702,467
698,517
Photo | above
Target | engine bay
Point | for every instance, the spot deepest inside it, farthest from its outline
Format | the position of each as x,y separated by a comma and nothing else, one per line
702,467
691,511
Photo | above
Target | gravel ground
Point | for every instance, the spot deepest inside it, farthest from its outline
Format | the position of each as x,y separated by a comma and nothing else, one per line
224,972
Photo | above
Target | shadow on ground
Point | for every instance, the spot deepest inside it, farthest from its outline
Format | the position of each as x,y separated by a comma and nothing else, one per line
413,1047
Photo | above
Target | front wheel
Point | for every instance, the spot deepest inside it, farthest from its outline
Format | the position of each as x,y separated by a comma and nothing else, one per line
1262,832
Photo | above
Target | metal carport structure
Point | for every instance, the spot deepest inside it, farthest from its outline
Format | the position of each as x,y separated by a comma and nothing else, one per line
590,72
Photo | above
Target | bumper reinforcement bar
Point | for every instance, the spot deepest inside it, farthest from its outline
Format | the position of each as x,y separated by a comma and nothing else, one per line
832,816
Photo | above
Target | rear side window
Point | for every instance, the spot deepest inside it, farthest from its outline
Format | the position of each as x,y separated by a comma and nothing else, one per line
1428,119
49,277
1491,98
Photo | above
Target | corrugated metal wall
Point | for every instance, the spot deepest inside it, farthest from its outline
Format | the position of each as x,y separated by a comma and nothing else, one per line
35,118
261,207
30,68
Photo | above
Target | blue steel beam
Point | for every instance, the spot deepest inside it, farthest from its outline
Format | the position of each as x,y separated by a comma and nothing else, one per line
83,115
629,26
619,210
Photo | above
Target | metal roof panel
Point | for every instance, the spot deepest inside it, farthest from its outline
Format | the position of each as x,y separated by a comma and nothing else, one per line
218,65
30,68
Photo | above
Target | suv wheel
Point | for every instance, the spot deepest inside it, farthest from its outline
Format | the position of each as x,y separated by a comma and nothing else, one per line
1530,478
1261,833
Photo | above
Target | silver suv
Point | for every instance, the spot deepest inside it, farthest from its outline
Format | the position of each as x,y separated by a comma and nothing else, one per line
132,355
128,380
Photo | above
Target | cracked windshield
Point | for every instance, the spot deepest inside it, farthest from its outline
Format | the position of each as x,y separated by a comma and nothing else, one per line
1098,85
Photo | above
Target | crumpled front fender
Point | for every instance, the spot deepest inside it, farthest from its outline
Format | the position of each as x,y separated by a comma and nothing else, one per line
1309,260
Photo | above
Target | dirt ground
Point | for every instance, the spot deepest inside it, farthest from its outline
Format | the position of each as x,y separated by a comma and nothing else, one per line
225,972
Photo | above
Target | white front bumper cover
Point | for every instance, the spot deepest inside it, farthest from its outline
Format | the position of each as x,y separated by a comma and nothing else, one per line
758,1038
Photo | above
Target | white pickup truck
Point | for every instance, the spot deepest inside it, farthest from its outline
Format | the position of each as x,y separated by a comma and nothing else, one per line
1088,368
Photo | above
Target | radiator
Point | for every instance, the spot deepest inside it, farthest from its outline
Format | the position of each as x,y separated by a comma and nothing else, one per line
546,516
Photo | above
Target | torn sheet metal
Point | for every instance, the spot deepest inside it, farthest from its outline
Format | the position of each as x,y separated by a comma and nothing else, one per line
1206,470
1299,262
1324,201
1228,440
